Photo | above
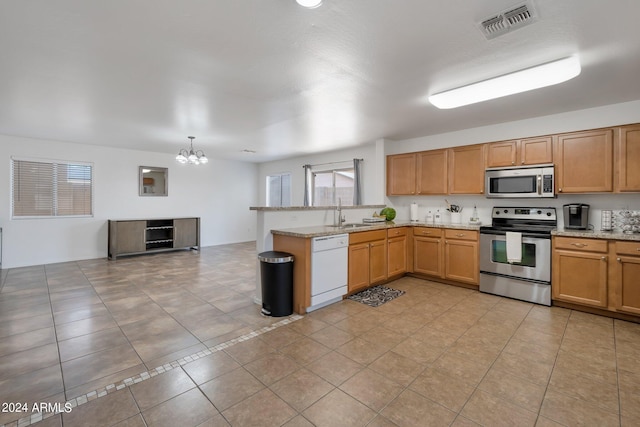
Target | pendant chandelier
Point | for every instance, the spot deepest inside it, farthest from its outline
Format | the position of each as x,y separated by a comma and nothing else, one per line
191,156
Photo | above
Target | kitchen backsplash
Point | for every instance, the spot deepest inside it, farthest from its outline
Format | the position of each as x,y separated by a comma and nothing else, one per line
597,203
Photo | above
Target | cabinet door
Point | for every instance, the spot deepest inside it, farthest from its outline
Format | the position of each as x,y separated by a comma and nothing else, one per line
401,174
535,151
358,267
185,233
627,159
580,277
466,169
432,172
584,161
502,154
428,256
461,261
130,237
377,261
397,255
627,286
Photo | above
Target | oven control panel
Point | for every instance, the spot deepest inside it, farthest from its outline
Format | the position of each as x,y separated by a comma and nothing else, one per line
534,213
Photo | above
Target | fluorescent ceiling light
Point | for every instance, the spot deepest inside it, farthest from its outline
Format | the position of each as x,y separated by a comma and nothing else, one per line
311,4
536,77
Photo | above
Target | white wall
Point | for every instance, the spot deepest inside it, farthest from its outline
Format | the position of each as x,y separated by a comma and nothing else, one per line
372,172
219,192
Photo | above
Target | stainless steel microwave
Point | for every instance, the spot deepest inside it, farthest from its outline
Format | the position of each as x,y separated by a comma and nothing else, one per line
517,182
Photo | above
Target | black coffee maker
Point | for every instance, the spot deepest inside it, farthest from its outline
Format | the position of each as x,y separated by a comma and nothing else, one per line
576,216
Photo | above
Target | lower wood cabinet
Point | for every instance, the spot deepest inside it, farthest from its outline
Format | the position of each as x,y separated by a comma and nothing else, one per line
580,269
367,259
446,253
461,257
627,277
397,249
604,274
428,251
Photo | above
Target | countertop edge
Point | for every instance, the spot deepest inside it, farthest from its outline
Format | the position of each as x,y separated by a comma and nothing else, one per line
591,234
326,230
311,208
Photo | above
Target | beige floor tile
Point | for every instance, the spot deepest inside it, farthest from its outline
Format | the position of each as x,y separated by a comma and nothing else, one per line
90,343
25,341
630,405
248,351
27,324
262,409
444,389
301,389
331,337
305,350
410,409
231,388
334,368
108,410
171,357
272,367
161,388
513,389
104,381
361,351
418,351
380,421
461,367
355,325
567,410
85,326
187,409
486,409
210,367
598,370
581,387
372,389
298,421
281,337
435,337
535,371
383,337
215,421
97,365
629,382
330,315
135,421
16,364
338,409
397,367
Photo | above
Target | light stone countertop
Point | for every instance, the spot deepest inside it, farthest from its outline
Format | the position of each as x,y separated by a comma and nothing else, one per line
328,230
594,234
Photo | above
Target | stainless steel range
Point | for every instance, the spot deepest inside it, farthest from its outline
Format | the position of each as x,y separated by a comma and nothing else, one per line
515,253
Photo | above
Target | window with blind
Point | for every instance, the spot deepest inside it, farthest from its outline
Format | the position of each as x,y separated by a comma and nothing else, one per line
331,185
42,188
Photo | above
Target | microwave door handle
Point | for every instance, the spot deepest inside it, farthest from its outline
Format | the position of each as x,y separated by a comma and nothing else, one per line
540,185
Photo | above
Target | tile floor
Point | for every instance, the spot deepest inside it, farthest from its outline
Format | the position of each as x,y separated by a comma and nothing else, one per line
438,355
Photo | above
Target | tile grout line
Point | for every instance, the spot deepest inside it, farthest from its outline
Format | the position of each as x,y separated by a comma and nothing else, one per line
128,382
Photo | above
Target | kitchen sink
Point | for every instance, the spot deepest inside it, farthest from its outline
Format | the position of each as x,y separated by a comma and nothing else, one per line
353,225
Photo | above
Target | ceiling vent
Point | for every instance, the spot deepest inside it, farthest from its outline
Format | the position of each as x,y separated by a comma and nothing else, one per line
508,20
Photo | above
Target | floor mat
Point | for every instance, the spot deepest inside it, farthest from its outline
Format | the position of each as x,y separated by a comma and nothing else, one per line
376,296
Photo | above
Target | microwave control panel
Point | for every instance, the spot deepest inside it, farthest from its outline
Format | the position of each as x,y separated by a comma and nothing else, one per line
547,183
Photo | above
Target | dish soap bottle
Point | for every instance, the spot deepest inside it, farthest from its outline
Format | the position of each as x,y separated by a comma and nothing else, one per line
437,219
474,216
429,219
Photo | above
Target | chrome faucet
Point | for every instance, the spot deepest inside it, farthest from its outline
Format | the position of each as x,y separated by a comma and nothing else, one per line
341,219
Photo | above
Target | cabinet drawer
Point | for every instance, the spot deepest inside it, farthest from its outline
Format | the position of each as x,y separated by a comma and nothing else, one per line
628,248
586,245
367,236
427,231
395,232
452,233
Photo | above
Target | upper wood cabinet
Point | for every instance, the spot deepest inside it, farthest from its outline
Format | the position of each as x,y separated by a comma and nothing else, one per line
584,161
627,159
529,151
401,174
466,169
431,172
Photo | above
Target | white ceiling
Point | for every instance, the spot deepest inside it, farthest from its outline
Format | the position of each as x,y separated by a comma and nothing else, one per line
270,76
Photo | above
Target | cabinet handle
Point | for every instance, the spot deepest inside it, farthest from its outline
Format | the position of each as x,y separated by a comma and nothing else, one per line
428,232
580,245
460,235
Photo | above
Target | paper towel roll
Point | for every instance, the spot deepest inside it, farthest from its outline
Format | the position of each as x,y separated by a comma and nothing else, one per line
414,212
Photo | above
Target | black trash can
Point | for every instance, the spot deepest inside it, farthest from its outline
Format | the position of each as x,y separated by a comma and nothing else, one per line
276,275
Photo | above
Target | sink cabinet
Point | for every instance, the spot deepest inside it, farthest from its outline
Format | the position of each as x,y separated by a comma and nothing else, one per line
428,251
367,259
396,251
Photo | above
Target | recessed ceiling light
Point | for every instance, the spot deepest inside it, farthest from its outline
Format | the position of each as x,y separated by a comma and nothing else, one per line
309,4
536,77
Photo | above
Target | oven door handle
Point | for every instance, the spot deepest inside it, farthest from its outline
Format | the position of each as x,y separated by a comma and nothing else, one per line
524,234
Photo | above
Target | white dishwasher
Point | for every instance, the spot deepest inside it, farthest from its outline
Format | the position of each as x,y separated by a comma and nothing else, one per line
329,263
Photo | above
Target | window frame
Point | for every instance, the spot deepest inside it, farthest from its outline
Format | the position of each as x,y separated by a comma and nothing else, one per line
56,200
268,189
334,172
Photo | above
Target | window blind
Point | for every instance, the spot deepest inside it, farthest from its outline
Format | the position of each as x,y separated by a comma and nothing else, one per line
43,188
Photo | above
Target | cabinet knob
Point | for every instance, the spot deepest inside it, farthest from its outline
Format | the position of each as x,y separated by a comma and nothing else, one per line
460,234
604,258
513,163
428,232
618,259
580,245
522,162
559,190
